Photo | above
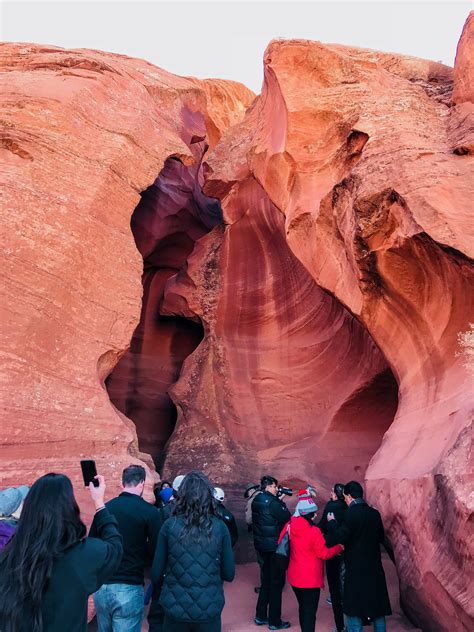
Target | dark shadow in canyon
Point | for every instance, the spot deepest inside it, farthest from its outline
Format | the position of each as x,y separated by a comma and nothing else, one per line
172,214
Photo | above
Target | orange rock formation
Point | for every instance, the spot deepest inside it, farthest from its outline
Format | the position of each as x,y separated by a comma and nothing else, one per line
84,133
307,282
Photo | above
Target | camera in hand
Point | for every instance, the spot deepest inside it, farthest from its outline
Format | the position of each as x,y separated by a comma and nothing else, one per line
284,491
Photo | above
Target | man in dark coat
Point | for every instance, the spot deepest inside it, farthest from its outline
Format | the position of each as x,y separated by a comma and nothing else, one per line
226,516
119,601
361,532
269,515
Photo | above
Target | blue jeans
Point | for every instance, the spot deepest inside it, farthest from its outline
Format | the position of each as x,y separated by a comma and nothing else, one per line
354,624
119,608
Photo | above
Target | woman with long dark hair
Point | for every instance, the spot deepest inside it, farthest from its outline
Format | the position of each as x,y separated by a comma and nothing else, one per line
49,568
193,558
335,566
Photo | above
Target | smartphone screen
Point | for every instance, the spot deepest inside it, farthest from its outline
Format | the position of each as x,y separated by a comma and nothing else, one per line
89,470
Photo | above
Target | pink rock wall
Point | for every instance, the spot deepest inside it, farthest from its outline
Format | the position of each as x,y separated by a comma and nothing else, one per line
77,156
171,216
359,156
334,300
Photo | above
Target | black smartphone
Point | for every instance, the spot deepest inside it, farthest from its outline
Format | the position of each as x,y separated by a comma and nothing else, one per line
89,471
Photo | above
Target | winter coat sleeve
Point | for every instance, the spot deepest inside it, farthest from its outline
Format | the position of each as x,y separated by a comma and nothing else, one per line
107,553
320,548
323,523
339,533
234,534
161,555
280,511
227,557
155,522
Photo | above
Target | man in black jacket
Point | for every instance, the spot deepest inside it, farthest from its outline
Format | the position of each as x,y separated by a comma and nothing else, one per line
269,515
361,532
226,516
119,602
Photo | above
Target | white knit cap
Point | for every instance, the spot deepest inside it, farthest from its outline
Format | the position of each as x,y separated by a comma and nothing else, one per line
306,504
219,494
177,481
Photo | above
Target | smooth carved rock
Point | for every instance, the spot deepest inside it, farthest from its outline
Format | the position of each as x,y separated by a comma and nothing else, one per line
464,64
334,301
354,157
84,133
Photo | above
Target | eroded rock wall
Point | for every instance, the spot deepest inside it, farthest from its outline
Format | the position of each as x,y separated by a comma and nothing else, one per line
171,216
334,301
84,134
359,155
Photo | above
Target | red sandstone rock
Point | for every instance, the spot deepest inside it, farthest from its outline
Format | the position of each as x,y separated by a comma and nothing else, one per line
461,124
84,133
342,271
358,162
464,64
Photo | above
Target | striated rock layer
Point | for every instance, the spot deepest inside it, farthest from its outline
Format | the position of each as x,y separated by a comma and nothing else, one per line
346,259
306,276
83,134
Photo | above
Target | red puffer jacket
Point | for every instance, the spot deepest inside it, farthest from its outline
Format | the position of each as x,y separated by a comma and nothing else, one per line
307,552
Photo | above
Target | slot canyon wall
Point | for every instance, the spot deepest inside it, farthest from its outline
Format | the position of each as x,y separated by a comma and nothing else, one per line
304,260
84,133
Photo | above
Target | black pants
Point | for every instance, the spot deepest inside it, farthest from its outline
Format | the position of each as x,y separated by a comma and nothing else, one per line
171,625
269,597
333,571
308,600
156,613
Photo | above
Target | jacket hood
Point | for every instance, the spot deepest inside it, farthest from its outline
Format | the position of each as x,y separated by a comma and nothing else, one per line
299,526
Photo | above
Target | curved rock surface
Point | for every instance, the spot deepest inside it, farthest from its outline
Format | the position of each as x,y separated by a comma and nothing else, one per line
319,329
355,156
84,133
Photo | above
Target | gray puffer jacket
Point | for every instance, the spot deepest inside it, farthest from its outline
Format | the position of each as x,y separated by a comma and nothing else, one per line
193,570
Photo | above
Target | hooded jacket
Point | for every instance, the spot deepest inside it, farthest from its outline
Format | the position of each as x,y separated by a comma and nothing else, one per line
308,551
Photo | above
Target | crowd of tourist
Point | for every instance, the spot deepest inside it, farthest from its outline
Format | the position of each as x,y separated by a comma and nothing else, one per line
48,567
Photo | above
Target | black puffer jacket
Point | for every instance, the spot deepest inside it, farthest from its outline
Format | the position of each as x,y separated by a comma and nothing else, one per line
193,571
269,514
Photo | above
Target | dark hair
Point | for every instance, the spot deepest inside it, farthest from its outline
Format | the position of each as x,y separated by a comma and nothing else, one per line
133,475
354,489
267,480
196,505
49,524
309,517
339,491
163,483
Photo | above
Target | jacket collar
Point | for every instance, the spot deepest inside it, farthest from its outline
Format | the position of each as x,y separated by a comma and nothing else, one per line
129,495
357,501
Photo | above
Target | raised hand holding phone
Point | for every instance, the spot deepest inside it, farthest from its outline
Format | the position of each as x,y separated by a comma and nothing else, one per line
89,472
98,493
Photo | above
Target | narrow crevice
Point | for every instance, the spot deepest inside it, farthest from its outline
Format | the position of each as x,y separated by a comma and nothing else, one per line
172,215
